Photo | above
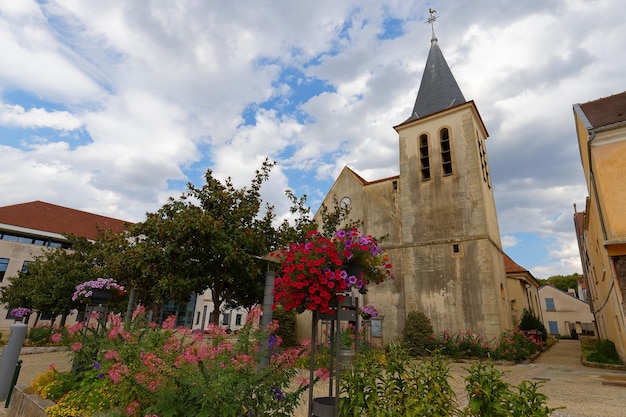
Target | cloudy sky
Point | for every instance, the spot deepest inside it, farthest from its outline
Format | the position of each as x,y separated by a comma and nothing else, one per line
111,107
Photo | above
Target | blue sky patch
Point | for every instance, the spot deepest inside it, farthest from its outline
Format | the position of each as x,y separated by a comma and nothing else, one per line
392,28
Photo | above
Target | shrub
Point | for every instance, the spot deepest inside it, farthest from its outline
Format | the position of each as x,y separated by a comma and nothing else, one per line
601,351
395,385
144,369
417,334
462,345
399,386
287,325
531,322
489,396
515,346
40,335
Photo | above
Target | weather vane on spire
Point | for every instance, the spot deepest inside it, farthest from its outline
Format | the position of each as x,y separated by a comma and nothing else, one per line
431,20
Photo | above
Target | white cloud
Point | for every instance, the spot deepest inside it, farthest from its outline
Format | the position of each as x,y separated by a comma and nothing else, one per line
159,91
16,115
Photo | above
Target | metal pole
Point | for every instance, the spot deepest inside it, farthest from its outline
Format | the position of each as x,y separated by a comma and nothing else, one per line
266,319
10,354
16,375
131,306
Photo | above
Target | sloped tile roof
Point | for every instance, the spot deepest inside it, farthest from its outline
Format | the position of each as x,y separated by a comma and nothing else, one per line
606,111
47,217
511,267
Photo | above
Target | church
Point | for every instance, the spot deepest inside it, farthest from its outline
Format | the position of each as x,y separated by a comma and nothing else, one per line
438,216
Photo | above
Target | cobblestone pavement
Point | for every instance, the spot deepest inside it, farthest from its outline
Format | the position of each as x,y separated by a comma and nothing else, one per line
584,391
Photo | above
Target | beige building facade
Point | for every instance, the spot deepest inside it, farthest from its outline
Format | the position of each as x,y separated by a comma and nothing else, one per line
28,230
523,290
438,216
564,314
601,228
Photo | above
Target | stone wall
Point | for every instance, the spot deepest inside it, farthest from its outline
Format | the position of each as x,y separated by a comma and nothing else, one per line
27,405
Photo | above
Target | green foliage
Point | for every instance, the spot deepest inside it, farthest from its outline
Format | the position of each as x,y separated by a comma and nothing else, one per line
515,346
287,325
529,321
511,345
600,351
417,333
564,282
40,335
395,385
462,345
146,370
489,396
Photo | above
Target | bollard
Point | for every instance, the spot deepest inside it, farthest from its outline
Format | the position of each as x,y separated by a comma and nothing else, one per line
266,319
16,375
10,354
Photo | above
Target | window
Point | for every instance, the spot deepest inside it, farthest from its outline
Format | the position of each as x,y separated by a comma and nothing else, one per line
455,248
550,304
25,266
424,157
4,264
238,320
483,160
198,318
226,320
553,327
446,152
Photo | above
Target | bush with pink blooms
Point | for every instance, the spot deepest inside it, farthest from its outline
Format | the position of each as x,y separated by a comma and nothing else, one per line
141,369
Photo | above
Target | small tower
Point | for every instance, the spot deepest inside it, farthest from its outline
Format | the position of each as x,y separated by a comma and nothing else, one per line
452,261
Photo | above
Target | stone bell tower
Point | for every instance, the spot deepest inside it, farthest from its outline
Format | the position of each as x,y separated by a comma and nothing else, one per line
452,260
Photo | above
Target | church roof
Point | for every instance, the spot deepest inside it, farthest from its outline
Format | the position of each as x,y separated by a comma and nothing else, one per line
46,217
438,89
605,111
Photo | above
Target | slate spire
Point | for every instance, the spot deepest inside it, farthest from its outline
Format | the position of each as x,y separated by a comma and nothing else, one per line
438,89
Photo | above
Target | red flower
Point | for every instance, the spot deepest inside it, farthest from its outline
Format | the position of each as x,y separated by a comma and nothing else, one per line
314,273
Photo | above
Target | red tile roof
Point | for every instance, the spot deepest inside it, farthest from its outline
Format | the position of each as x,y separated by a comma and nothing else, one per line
606,111
510,266
47,217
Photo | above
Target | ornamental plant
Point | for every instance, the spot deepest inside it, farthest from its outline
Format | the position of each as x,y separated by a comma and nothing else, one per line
20,312
85,290
142,368
316,273
368,311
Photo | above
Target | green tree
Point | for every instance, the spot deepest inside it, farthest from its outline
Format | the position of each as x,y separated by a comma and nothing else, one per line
211,237
564,282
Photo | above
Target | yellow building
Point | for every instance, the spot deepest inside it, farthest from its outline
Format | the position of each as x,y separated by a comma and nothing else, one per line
523,290
601,231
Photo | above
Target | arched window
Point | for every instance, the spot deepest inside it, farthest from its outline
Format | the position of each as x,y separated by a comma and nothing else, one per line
424,157
446,152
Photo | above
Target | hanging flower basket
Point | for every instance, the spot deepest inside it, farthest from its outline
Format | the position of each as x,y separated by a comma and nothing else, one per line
97,292
316,274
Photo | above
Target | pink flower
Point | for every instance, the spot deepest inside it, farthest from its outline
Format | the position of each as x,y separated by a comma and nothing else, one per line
131,409
76,346
139,311
169,323
322,373
56,338
117,371
112,355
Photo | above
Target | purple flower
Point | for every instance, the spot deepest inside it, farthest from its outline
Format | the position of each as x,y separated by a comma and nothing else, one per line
278,393
20,312
272,342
